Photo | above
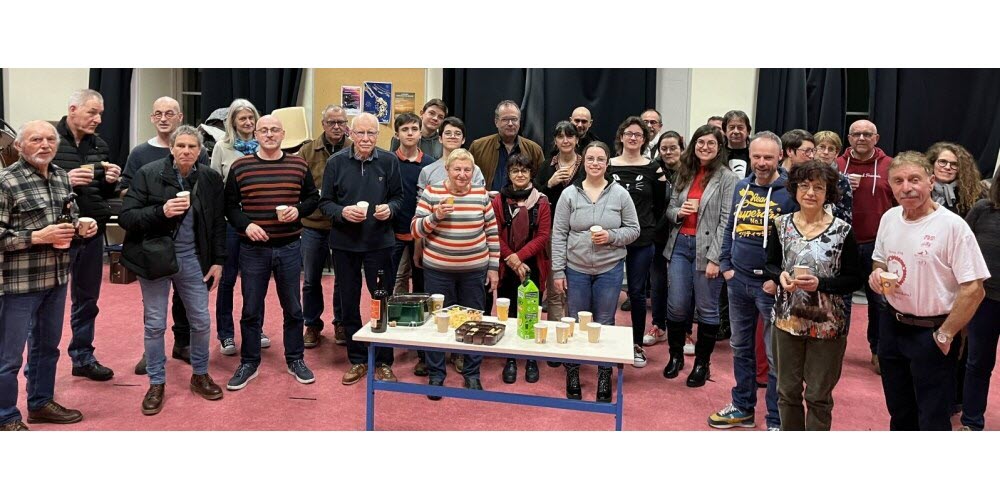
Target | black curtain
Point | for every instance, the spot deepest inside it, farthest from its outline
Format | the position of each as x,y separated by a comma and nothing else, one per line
115,85
914,108
810,99
548,96
267,88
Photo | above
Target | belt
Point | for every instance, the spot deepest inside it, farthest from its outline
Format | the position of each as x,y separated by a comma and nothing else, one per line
921,321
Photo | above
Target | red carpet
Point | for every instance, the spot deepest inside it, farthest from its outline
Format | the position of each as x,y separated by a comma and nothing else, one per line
275,401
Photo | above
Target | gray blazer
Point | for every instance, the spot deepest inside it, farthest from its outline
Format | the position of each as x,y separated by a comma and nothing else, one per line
713,215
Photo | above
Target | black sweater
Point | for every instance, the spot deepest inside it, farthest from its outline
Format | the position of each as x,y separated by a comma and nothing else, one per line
647,195
347,181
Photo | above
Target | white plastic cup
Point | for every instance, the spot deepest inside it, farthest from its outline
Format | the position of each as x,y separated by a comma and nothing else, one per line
84,225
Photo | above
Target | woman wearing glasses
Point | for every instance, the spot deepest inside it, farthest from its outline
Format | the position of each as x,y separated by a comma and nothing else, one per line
595,220
699,208
956,177
669,148
637,174
828,146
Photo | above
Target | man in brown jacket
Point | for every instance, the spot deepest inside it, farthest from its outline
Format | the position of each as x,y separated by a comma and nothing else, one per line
316,230
491,152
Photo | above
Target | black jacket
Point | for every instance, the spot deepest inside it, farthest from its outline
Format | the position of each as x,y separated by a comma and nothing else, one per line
93,198
142,214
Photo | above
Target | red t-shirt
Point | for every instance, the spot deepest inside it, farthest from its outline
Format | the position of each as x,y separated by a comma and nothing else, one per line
690,225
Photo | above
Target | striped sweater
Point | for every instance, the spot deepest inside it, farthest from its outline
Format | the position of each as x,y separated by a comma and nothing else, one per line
256,186
465,240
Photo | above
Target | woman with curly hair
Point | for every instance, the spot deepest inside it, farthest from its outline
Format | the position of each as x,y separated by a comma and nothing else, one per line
956,177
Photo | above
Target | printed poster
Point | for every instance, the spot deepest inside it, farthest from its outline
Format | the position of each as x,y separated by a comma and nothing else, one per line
406,102
350,100
378,100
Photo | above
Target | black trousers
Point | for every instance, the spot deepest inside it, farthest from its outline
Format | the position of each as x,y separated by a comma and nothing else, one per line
347,268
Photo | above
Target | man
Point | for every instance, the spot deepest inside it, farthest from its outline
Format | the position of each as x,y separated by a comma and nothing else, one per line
654,120
452,137
362,237
316,231
583,121
431,116
757,201
269,243
166,117
736,127
940,272
33,192
412,161
80,146
189,231
866,166
716,121
491,152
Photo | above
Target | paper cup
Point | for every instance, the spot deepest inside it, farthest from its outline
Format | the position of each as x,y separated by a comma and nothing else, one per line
799,271
593,332
541,332
694,203
571,322
562,333
88,167
280,209
437,301
363,205
441,321
889,281
584,317
84,225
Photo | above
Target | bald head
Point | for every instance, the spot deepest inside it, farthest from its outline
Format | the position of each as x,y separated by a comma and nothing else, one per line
582,120
166,116
269,134
863,137
364,118
37,141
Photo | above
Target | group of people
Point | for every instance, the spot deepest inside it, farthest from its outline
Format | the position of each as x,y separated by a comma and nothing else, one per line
721,231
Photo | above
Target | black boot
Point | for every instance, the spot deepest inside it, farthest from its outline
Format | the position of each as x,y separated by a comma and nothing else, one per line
603,384
573,382
510,371
703,354
531,371
675,341
553,364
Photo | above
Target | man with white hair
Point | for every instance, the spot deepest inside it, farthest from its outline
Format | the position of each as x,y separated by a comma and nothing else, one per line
85,156
35,267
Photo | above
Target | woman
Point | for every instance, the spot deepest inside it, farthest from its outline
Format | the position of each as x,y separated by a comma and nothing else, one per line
828,146
461,250
238,142
668,158
810,324
699,207
638,175
956,177
984,219
524,224
587,264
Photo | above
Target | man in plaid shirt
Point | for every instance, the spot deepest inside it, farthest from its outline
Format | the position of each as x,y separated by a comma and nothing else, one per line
32,193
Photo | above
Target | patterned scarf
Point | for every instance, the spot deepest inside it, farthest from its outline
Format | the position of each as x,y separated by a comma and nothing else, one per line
246,147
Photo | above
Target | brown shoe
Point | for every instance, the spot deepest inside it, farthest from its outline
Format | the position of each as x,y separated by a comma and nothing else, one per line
311,337
459,362
384,373
54,413
152,403
355,374
339,334
875,366
204,386
16,425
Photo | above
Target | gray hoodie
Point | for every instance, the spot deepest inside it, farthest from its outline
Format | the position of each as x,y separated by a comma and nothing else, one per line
575,214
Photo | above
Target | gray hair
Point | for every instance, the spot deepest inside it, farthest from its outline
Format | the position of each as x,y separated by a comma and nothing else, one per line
19,138
768,136
331,107
504,103
366,116
186,130
80,97
234,109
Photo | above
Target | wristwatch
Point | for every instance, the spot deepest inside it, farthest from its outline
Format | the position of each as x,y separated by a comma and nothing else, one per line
941,337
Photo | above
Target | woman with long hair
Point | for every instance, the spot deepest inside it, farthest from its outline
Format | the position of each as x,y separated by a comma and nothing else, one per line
668,158
956,177
699,208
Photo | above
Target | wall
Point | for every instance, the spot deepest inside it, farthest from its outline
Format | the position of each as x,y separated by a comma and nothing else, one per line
40,94
715,91
326,90
148,85
673,98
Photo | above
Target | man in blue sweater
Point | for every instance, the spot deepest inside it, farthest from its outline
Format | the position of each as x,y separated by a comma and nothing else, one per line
757,200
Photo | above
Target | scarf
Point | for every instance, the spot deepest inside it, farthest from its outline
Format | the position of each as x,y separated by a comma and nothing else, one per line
517,204
944,193
246,147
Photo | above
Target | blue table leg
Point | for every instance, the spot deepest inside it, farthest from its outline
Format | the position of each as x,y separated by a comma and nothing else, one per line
370,382
619,402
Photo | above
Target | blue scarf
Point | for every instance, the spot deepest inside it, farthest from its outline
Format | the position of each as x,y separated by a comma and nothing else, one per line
246,147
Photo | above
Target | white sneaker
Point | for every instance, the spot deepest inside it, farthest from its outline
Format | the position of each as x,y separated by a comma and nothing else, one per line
227,347
773,428
640,357
264,341
689,347
653,335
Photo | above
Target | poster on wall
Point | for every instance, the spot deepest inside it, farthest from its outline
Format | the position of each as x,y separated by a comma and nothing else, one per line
378,100
405,102
350,100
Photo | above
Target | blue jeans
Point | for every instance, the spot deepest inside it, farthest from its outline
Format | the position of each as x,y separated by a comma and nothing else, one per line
689,288
257,263
41,314
86,272
983,335
597,293
875,301
465,289
746,301
416,273
347,266
315,250
658,288
637,266
194,294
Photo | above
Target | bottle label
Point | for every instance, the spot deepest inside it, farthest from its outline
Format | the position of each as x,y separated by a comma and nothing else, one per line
376,307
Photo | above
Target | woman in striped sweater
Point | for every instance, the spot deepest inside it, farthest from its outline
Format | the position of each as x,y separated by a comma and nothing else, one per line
461,249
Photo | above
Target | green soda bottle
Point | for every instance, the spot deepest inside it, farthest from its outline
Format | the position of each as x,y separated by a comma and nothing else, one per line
527,308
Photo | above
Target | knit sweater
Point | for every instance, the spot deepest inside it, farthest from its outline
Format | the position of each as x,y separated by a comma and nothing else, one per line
465,240
256,186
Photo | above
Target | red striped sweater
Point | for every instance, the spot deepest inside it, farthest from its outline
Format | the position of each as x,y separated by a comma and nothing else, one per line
465,240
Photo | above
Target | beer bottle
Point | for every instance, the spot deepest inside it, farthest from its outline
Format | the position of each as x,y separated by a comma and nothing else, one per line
380,304
66,217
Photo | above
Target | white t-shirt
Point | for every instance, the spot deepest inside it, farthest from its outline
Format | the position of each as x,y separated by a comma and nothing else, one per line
931,256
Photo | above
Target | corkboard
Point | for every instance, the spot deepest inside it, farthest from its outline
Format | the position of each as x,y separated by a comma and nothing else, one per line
327,83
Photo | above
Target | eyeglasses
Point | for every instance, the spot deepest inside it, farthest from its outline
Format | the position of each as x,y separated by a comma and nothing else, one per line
951,165
633,135
335,123
858,135
168,115
365,133
510,120
816,188
272,131
707,144
651,122
453,133
807,151
593,160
